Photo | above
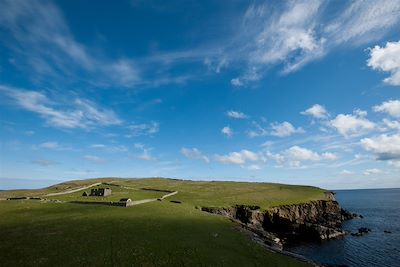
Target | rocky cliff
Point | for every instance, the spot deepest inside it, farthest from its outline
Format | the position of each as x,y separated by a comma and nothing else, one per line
316,220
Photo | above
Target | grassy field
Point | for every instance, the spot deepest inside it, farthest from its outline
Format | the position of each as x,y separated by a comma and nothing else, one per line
159,233
195,193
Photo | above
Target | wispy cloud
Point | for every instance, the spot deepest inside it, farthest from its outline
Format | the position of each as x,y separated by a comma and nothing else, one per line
44,162
49,145
236,114
284,129
194,153
45,47
80,113
144,129
372,171
227,131
93,158
110,148
296,155
316,111
298,32
145,155
238,158
290,34
363,21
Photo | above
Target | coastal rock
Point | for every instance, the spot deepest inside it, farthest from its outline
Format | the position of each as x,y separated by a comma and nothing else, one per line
316,220
362,231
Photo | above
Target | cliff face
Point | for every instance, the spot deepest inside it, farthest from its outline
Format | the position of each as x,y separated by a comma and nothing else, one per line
320,220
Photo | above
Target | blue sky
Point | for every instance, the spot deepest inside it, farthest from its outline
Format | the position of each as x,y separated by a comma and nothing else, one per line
299,92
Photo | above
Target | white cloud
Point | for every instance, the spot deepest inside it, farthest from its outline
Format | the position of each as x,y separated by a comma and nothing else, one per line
279,158
236,114
43,44
299,32
194,153
144,129
346,172
49,145
372,171
391,107
288,36
123,72
392,124
284,129
254,167
97,146
352,124
216,65
385,147
240,157
291,33
145,155
328,156
258,131
363,21
81,113
394,163
236,82
301,154
227,131
110,148
44,162
295,155
386,59
93,158
316,111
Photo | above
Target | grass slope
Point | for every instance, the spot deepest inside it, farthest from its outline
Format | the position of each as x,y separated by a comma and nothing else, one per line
153,234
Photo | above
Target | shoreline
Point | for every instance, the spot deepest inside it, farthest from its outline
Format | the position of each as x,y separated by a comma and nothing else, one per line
260,241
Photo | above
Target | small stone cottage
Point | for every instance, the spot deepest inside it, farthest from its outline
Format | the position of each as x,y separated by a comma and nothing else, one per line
100,192
125,201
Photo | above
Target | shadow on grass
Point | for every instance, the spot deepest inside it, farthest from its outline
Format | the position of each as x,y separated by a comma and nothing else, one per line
155,234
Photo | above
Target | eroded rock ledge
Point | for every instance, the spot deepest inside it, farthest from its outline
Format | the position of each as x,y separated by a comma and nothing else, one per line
316,220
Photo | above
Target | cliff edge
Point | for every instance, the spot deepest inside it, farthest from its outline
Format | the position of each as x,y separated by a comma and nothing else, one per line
315,220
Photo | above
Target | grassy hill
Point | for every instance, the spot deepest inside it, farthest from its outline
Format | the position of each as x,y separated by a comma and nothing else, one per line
160,233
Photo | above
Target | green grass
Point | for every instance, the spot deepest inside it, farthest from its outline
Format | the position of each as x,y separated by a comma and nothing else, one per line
220,194
35,233
154,234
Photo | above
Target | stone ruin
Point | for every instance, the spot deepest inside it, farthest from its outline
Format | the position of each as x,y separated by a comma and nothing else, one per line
98,192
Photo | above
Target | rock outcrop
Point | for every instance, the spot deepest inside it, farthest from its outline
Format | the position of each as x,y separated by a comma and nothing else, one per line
316,220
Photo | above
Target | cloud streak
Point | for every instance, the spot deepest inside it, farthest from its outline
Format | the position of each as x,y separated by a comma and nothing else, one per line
290,34
194,153
81,113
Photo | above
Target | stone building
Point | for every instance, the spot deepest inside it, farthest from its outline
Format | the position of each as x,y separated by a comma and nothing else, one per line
100,192
125,202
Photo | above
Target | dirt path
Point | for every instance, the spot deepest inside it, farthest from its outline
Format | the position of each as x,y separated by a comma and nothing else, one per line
138,202
72,190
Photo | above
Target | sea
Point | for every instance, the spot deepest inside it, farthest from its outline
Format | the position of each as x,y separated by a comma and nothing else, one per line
381,211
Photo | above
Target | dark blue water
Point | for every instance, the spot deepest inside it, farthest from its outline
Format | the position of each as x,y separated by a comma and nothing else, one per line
381,211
